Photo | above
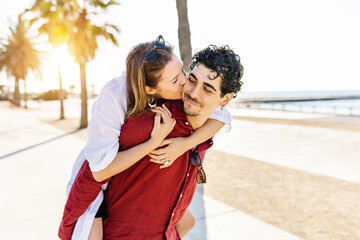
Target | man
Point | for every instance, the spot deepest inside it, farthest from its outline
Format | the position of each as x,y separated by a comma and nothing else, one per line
144,202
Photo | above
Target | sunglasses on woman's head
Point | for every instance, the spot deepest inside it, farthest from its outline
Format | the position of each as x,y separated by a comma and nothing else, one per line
152,56
196,160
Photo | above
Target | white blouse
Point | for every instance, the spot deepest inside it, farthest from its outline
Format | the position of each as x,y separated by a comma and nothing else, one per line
108,115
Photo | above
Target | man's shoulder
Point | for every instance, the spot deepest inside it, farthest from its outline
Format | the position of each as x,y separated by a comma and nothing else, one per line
136,130
143,124
140,122
175,107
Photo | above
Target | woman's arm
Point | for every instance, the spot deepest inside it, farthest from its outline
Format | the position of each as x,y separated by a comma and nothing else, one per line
177,146
163,125
125,159
108,115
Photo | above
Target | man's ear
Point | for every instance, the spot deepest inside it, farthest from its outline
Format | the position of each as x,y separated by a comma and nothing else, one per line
149,90
226,99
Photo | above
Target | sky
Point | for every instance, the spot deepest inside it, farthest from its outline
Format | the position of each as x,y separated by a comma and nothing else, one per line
284,45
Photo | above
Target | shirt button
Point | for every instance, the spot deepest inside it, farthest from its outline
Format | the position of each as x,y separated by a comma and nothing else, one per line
191,131
172,214
186,123
211,143
180,195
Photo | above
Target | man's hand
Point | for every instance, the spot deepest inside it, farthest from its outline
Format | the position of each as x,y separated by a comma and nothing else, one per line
175,147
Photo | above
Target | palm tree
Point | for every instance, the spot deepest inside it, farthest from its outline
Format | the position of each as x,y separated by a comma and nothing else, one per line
56,24
67,21
82,43
184,33
18,56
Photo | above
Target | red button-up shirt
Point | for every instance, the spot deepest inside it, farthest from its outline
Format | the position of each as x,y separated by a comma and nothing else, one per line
143,202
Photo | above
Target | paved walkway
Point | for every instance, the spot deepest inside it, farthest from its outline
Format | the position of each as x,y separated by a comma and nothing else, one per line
324,149
36,158
216,220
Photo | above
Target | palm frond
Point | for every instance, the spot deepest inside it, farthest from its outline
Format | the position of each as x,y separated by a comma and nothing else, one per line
102,4
114,27
18,53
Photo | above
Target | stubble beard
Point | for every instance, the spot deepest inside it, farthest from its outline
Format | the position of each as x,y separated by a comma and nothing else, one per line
188,110
190,113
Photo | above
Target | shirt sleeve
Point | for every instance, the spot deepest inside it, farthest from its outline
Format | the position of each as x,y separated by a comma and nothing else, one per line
83,192
108,115
222,116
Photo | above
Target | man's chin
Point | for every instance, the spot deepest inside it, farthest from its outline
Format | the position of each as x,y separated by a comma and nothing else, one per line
191,112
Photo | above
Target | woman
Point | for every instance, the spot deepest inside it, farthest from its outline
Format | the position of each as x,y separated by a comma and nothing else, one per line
153,72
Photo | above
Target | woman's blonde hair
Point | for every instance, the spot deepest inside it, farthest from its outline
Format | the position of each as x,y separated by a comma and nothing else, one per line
140,74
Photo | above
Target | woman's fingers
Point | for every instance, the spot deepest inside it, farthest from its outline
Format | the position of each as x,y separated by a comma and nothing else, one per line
157,119
167,110
163,115
165,166
164,162
157,161
157,157
164,143
157,151
164,109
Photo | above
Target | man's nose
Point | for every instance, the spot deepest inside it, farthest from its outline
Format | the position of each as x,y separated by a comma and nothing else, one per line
195,91
183,79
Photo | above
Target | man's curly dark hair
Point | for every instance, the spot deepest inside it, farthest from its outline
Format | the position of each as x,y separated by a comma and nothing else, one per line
225,62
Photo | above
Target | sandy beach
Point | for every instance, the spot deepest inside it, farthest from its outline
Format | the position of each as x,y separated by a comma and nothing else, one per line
295,171
308,205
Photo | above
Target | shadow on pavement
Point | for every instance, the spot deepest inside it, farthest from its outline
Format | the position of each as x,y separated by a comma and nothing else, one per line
20,129
38,144
197,207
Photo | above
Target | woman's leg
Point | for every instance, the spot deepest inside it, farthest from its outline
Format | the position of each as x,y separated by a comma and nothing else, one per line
96,232
186,223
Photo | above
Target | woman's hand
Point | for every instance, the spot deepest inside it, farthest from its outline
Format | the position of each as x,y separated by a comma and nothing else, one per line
162,128
175,147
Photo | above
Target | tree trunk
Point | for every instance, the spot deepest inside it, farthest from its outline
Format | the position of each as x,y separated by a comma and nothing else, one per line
61,94
25,94
184,34
17,93
84,115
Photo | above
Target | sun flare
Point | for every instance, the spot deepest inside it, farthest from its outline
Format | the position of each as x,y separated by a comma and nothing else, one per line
69,70
61,54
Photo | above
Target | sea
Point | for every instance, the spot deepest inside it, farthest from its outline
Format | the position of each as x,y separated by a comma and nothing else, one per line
325,102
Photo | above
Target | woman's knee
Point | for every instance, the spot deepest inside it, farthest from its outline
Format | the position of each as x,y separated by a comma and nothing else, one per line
191,220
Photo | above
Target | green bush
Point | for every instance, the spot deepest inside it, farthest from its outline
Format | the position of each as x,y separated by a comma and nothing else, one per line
51,95
3,98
